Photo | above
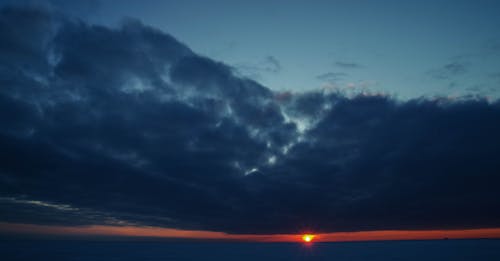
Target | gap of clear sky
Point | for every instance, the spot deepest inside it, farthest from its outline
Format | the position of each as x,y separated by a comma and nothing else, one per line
403,48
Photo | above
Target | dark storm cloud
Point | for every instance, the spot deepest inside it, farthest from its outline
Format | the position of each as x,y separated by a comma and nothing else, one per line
129,126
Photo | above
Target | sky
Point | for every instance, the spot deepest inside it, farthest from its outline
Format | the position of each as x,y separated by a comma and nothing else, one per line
256,120
403,48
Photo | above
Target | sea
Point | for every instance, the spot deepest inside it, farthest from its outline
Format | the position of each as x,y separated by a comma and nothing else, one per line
82,250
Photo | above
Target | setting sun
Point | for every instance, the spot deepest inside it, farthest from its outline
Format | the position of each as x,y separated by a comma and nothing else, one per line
308,237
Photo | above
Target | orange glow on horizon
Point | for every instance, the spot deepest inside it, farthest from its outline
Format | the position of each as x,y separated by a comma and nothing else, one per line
158,232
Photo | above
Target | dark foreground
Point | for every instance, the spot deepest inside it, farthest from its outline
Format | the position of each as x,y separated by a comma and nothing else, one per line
473,250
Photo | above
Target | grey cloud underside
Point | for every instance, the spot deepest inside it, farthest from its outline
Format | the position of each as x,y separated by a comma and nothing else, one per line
129,126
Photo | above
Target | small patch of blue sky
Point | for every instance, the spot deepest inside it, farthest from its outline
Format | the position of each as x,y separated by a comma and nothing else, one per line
400,47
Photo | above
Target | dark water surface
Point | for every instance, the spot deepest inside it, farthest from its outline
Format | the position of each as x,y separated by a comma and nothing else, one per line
473,250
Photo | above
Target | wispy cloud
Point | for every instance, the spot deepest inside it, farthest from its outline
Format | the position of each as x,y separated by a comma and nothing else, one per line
348,65
269,65
331,76
449,70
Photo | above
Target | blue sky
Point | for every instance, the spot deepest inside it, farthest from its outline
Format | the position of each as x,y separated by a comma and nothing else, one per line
403,48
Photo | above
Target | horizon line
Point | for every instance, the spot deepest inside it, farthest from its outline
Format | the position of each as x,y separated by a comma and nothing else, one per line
131,232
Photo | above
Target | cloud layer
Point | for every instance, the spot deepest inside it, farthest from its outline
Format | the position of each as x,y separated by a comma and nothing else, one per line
129,126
